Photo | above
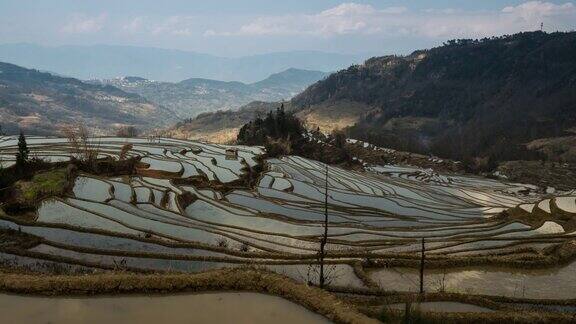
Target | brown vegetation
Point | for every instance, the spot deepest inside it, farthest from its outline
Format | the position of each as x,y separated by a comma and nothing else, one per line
79,136
127,131
561,176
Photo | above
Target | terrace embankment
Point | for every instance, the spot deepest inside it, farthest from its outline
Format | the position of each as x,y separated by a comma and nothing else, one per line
39,180
247,180
379,303
552,256
375,155
519,258
312,298
388,315
346,306
538,216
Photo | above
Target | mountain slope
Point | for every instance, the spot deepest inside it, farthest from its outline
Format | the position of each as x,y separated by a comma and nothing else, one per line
489,100
221,126
291,80
40,103
466,99
108,61
193,96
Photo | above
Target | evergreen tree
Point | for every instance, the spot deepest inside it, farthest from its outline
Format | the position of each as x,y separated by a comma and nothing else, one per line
276,125
23,151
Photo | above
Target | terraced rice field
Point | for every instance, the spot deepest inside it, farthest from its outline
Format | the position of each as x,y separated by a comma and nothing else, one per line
158,220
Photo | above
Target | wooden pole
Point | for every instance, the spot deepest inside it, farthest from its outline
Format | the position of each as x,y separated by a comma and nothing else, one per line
325,236
422,267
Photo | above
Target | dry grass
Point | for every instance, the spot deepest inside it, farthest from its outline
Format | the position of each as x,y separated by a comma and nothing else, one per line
397,316
503,308
333,116
220,136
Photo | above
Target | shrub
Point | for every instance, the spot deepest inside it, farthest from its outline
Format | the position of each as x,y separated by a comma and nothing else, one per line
127,131
244,247
222,242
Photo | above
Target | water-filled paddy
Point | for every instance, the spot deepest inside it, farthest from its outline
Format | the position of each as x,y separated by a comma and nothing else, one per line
555,283
197,308
386,209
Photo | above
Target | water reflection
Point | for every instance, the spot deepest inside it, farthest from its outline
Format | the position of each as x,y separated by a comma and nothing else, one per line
201,308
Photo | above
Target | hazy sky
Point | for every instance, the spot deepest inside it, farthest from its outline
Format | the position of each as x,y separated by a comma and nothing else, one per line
243,27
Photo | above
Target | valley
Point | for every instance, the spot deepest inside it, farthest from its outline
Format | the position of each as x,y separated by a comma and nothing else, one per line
191,97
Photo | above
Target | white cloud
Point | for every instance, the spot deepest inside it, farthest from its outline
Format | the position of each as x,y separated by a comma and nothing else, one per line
347,18
536,9
135,25
83,24
174,25
362,19
445,11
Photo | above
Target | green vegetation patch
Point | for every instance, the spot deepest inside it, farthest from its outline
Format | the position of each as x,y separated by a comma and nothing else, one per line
45,184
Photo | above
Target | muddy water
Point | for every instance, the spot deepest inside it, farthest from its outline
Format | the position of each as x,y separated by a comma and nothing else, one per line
198,308
557,283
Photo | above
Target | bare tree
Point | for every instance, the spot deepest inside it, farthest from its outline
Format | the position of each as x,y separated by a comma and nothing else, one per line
155,136
124,151
127,131
79,138
324,238
422,267
312,274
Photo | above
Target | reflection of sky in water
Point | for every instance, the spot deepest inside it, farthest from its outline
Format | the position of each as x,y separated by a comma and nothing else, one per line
386,212
556,283
192,308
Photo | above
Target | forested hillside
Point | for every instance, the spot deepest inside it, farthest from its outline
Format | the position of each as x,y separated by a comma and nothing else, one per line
469,98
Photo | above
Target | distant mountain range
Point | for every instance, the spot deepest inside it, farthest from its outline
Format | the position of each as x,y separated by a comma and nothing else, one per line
494,99
191,97
41,103
107,62
502,98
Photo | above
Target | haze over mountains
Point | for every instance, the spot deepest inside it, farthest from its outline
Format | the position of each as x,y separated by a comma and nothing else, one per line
190,97
108,61
41,103
500,98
